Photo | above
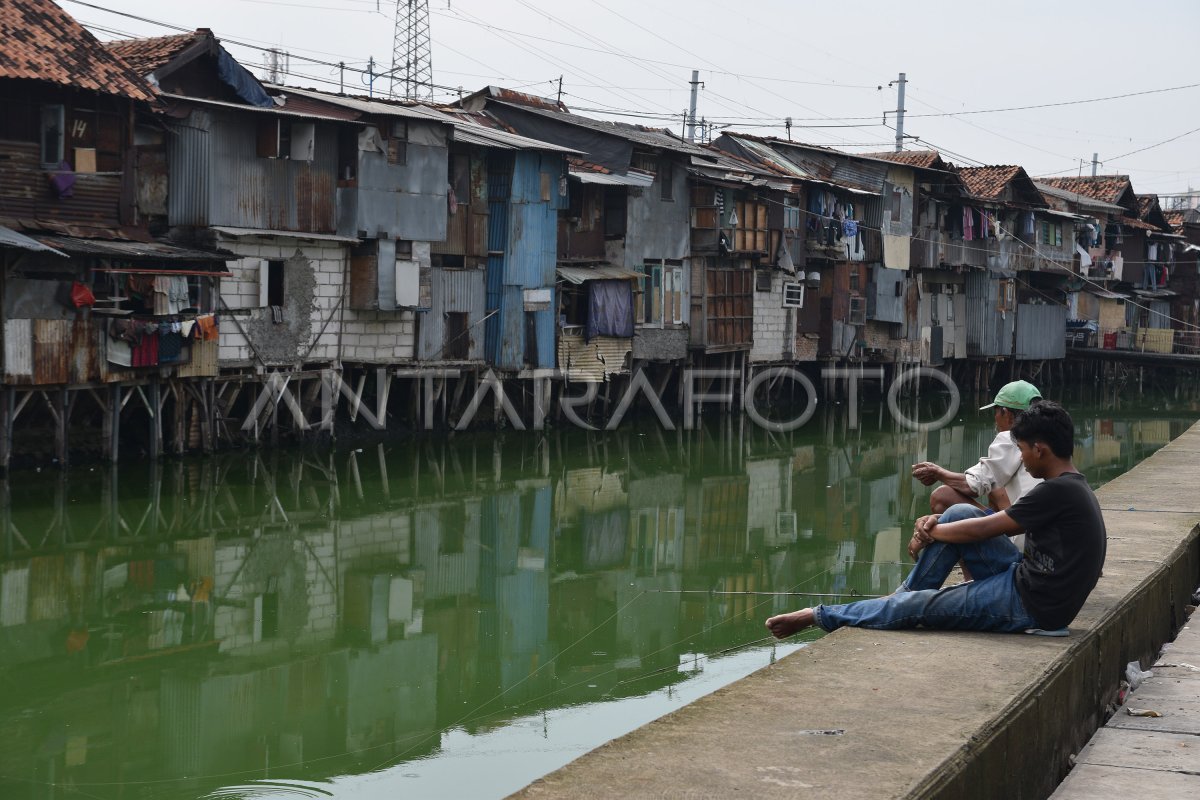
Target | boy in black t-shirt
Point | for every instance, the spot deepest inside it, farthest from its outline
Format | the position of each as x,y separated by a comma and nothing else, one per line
1039,591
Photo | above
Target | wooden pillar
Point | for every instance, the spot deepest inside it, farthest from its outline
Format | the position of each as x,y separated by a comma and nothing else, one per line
6,427
156,446
112,423
61,402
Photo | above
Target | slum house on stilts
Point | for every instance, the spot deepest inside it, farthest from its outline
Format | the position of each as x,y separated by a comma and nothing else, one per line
102,325
856,221
622,243
1126,250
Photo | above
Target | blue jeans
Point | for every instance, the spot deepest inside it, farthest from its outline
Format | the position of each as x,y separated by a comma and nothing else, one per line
990,602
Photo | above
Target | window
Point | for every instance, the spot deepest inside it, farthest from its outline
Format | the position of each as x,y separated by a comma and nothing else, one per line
1006,296
793,295
645,162
648,300
897,204
397,151
52,134
762,280
457,346
284,138
658,296
666,179
274,283
855,280
673,291
1051,234
791,215
614,212
858,311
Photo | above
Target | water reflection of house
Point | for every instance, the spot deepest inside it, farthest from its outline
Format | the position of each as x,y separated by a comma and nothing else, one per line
378,701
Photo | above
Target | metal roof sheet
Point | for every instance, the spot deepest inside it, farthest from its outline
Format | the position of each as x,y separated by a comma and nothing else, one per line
609,179
332,116
1106,294
580,274
10,238
473,133
124,249
328,237
633,133
364,105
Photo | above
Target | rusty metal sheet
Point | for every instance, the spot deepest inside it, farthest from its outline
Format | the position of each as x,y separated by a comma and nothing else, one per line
84,357
52,344
594,361
204,360
25,192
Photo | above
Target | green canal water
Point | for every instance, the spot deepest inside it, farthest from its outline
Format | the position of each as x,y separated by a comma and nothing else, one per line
444,617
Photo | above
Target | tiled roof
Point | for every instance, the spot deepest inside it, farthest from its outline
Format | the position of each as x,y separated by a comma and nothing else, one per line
43,43
925,159
988,183
1108,188
1176,219
147,55
1146,204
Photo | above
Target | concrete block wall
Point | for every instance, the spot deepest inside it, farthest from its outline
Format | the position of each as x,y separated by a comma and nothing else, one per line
773,324
766,495
238,583
370,336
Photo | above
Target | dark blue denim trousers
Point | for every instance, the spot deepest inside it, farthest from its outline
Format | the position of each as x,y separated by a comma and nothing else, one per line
989,602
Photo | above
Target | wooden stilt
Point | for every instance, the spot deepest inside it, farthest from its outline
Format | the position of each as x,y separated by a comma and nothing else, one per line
6,427
156,405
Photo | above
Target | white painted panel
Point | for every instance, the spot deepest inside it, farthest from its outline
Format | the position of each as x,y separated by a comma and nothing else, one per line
18,348
408,284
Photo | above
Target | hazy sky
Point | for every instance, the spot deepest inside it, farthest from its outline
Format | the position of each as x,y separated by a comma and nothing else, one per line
763,60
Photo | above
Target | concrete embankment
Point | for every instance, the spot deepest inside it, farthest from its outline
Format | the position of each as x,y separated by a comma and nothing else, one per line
868,714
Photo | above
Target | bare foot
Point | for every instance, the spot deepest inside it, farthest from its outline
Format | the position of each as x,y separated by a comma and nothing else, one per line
784,625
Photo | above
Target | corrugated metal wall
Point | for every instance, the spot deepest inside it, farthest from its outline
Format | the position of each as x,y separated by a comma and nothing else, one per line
523,202
989,333
1041,332
500,167
189,159
271,193
453,290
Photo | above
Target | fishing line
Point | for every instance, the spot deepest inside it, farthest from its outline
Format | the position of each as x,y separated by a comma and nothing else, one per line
503,692
851,593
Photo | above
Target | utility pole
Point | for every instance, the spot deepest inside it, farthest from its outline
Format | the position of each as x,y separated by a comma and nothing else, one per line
900,112
412,53
787,123
1095,163
560,77
696,84
341,77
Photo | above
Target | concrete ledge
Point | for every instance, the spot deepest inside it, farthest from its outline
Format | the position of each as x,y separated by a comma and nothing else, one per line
926,713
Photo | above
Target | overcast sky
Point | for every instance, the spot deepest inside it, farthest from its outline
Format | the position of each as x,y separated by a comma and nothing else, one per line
820,63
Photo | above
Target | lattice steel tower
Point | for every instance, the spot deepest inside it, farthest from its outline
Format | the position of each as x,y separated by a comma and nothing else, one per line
412,55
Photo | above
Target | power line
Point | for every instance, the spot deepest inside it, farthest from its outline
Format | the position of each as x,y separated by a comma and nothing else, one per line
525,34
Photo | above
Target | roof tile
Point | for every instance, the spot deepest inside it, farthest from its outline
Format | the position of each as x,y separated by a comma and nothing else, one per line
1107,188
44,43
148,55
988,183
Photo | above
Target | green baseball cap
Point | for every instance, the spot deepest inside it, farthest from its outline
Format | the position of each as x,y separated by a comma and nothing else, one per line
1016,395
